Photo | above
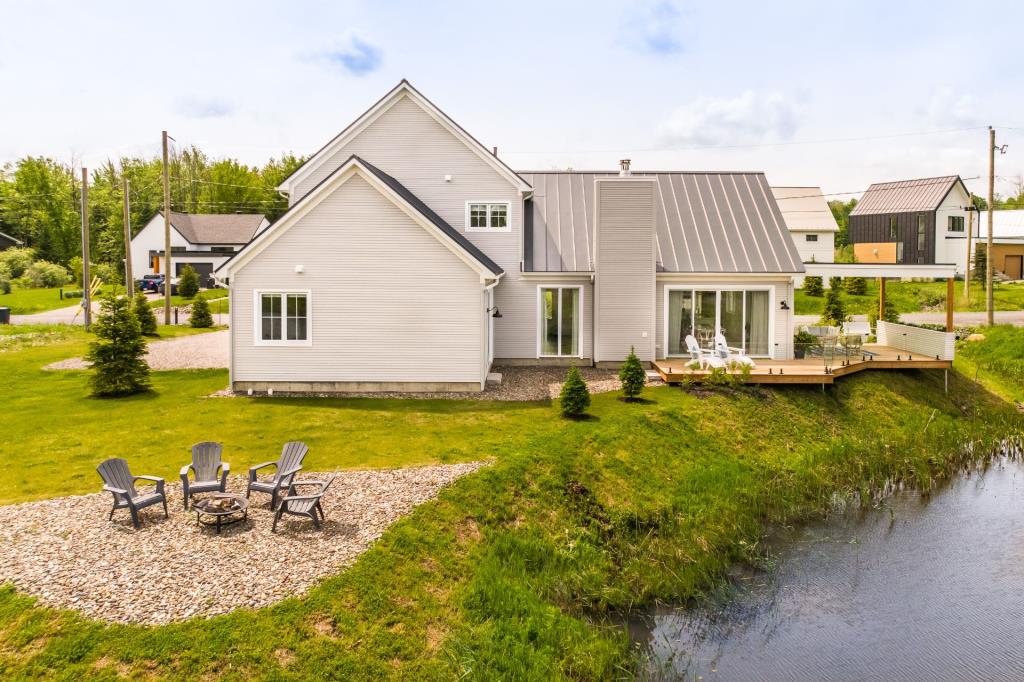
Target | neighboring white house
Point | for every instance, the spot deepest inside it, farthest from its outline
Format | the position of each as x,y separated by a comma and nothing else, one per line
1007,241
203,241
412,258
810,223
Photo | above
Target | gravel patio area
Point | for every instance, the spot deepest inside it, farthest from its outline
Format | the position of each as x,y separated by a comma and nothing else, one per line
199,351
67,554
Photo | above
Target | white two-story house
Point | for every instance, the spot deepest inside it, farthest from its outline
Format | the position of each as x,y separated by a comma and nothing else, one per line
412,258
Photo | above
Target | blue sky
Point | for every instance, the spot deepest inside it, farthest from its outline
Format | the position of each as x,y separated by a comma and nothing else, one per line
671,84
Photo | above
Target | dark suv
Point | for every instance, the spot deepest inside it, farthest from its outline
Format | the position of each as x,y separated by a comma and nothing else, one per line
150,283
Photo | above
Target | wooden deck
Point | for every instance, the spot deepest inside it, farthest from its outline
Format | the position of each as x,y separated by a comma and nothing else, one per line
810,370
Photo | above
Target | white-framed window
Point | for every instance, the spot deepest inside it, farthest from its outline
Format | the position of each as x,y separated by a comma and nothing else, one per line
812,237
743,314
559,321
488,216
283,318
956,223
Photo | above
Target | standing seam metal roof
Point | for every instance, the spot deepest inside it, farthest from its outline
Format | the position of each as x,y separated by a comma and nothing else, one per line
705,222
903,196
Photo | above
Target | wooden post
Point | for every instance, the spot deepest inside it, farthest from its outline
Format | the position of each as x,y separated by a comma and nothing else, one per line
86,293
129,280
167,236
881,298
949,304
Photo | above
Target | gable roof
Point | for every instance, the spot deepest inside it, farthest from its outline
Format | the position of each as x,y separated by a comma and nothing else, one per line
705,223
216,228
448,234
1007,224
404,88
904,196
805,209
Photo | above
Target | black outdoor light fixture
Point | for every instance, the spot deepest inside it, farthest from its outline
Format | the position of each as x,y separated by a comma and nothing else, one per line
496,314
784,306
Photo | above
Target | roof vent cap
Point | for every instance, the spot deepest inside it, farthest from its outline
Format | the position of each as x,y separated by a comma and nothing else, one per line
624,168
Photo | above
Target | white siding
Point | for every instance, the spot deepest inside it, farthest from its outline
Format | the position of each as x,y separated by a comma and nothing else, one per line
951,247
151,238
782,322
927,342
390,303
624,283
821,251
411,146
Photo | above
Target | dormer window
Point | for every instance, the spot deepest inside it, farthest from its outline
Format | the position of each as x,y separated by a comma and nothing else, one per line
488,216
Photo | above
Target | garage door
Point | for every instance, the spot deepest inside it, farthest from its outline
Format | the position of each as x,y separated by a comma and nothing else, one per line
204,270
1015,267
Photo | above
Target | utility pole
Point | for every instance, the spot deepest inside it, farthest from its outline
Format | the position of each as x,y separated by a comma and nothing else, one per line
129,281
167,236
970,240
86,293
989,305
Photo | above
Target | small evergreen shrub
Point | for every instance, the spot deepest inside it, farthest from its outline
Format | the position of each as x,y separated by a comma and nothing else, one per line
813,286
118,353
890,314
834,313
188,282
144,314
856,286
980,266
835,282
575,396
201,317
632,376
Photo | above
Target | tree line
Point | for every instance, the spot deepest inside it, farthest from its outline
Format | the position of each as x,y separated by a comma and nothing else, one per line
40,198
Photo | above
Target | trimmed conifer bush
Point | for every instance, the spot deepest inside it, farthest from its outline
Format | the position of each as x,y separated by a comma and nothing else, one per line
813,286
834,313
188,282
632,375
575,396
201,317
835,282
144,314
118,353
856,286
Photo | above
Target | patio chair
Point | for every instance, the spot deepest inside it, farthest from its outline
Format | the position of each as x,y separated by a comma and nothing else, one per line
701,356
730,354
119,482
206,465
287,465
303,505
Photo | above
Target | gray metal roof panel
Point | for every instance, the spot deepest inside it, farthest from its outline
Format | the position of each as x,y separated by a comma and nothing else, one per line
902,196
705,222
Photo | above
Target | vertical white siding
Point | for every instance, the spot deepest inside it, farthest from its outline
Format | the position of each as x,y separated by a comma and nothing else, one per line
951,247
151,238
390,303
821,251
624,281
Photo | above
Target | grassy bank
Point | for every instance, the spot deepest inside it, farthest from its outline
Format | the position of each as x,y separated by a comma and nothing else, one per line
644,501
909,297
998,361
28,301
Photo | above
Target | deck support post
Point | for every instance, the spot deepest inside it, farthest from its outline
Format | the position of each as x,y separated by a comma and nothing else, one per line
881,298
945,377
949,304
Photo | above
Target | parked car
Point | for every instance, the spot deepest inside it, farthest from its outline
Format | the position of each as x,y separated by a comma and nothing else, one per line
174,287
149,282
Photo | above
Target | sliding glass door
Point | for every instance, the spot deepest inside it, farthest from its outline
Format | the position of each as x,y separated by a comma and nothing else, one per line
743,316
560,313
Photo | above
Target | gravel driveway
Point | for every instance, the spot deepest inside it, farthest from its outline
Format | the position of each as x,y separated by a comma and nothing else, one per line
67,554
200,351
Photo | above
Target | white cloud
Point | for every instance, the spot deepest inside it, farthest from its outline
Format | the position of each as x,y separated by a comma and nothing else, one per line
747,118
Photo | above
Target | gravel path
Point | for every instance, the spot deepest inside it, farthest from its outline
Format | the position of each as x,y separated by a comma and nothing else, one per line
65,553
200,351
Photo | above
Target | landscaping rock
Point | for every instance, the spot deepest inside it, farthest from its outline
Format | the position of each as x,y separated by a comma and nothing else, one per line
65,552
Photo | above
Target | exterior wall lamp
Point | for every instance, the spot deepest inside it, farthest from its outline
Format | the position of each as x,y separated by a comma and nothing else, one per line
784,306
496,314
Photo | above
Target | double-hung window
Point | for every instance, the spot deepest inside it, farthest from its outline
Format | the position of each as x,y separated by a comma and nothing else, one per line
483,216
283,318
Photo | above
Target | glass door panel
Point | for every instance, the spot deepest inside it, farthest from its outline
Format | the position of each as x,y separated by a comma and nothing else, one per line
731,318
705,320
680,320
549,322
570,334
756,337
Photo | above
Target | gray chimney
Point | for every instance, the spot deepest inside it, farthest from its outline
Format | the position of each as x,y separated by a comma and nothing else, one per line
624,168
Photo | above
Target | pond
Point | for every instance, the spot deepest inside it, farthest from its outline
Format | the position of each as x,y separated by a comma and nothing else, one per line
922,587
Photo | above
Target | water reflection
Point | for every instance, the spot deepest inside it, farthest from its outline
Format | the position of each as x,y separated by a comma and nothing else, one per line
922,589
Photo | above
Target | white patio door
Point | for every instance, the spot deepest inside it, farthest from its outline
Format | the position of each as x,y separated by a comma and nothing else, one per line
743,316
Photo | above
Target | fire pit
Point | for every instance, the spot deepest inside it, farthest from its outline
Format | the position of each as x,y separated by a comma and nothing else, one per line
221,509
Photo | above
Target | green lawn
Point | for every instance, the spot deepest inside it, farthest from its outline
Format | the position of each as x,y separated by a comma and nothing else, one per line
217,297
998,360
911,297
508,573
28,301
